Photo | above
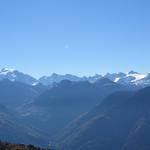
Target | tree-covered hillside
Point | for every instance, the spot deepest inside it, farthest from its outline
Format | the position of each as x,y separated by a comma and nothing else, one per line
9,146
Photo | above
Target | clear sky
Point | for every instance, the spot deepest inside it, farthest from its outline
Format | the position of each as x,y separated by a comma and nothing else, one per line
82,37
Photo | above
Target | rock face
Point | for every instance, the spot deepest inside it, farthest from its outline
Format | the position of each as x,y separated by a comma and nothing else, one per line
120,122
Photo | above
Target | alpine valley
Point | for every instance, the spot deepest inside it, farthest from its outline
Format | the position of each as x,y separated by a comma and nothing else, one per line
67,112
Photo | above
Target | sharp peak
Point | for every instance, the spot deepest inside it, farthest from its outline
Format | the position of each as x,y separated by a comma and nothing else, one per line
54,74
133,72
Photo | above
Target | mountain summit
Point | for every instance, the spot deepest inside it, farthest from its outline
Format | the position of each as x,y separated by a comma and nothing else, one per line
15,75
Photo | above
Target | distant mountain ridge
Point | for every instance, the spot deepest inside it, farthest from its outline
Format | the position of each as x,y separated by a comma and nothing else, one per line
15,75
120,122
14,94
131,78
56,107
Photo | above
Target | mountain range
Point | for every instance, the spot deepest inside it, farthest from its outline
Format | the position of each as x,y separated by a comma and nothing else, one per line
46,111
63,103
131,78
69,112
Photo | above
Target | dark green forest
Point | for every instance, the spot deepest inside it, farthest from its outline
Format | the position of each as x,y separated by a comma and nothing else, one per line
10,146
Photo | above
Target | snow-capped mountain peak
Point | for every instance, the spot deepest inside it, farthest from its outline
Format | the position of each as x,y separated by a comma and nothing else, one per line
136,76
129,78
7,70
14,75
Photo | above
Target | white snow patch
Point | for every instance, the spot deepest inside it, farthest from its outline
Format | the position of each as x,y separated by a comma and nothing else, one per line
137,76
117,79
35,83
5,71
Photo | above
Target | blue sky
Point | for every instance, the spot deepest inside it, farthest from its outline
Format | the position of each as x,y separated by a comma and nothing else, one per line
82,37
